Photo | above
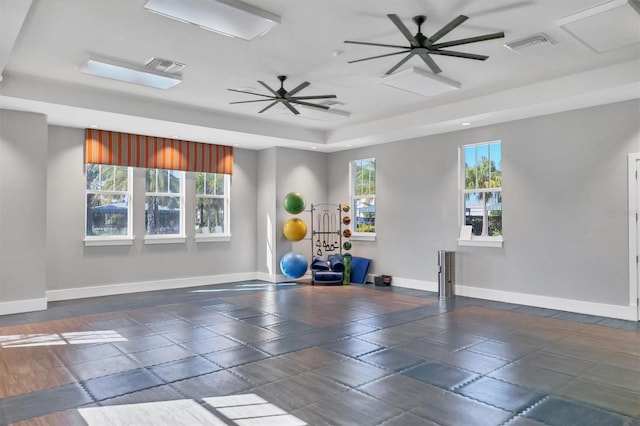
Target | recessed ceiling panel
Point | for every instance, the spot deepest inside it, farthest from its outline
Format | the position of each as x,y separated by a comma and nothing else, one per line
421,82
606,27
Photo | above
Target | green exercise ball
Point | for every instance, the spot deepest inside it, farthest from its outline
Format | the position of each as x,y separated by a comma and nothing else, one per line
294,203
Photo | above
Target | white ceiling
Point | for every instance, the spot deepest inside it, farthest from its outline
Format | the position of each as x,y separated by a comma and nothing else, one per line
42,47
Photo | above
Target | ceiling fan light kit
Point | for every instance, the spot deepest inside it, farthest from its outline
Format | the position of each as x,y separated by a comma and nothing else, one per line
423,46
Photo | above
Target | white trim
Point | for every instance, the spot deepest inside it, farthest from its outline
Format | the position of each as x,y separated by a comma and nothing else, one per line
157,239
363,236
124,241
226,201
414,284
633,231
482,242
128,193
210,238
20,306
265,276
569,305
487,241
136,287
279,278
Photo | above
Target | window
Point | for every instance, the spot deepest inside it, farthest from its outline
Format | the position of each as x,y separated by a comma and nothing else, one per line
481,179
108,209
212,204
164,202
363,196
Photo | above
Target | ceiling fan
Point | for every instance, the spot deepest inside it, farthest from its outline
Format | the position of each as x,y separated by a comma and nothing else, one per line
284,97
424,46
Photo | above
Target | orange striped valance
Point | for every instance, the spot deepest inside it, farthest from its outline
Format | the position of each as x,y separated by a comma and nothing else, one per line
124,149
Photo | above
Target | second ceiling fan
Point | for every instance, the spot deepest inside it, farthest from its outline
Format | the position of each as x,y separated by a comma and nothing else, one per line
424,46
284,96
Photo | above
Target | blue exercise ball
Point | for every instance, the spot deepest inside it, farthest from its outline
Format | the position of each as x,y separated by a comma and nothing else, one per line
293,265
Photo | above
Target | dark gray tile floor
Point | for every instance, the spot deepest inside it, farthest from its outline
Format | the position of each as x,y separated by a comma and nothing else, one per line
350,355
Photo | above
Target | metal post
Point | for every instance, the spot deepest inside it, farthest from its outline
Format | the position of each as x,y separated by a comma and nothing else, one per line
446,274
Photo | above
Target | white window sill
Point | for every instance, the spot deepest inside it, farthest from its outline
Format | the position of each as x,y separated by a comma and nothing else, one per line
108,241
164,239
362,236
482,242
212,238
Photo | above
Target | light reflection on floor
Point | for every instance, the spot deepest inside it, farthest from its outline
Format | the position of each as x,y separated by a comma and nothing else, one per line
57,339
242,410
247,287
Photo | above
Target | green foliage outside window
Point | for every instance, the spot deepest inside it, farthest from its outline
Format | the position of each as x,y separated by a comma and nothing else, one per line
364,195
483,183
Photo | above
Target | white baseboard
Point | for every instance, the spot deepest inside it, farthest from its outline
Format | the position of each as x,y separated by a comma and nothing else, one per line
20,306
569,305
277,278
137,287
414,284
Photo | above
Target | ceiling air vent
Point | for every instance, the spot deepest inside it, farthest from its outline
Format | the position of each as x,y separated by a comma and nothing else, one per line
164,65
530,41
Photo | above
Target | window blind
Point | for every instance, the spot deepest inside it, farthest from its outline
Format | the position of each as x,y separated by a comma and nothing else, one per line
125,149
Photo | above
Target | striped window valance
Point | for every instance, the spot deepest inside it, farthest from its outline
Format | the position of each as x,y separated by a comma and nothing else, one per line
124,149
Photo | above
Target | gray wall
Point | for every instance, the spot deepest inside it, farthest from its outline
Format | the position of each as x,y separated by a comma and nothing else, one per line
562,173
280,171
266,214
304,172
70,264
23,205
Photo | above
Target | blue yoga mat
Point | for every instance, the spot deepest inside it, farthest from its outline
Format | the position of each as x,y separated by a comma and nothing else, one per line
359,269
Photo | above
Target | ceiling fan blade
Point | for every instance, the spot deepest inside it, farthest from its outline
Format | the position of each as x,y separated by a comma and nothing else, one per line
268,88
430,62
448,28
298,88
403,29
380,56
399,64
459,54
267,107
249,93
313,97
247,102
309,104
468,40
375,44
291,108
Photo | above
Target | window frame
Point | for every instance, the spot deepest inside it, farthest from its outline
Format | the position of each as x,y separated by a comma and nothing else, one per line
475,240
355,235
109,240
225,235
180,237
